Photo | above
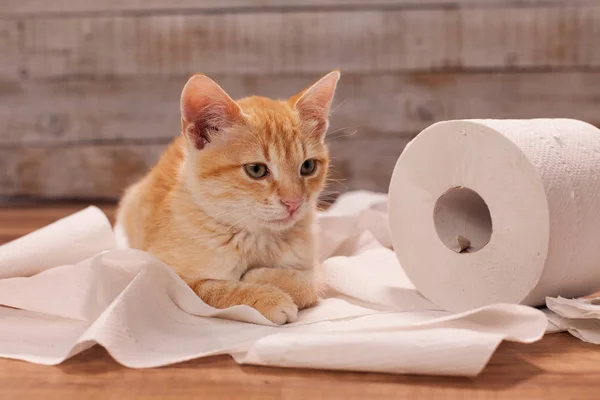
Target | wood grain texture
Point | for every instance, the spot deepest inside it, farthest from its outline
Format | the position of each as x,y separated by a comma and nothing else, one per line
104,171
90,138
44,7
265,43
10,51
72,172
90,89
558,367
121,111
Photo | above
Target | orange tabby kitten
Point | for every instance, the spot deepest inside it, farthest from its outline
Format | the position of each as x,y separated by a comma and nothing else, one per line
231,204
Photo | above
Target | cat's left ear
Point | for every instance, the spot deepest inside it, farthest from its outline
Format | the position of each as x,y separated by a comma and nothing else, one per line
313,104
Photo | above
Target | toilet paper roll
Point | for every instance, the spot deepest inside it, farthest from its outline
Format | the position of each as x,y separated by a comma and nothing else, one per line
488,211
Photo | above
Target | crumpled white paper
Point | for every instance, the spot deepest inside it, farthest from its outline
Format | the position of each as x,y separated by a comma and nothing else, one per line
580,317
68,287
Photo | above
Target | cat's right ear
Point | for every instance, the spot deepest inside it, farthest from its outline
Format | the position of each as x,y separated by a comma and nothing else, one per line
206,109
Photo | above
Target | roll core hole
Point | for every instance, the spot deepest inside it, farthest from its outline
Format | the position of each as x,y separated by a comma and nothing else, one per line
462,220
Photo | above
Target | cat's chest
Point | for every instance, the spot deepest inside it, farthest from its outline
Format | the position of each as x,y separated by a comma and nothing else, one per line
267,250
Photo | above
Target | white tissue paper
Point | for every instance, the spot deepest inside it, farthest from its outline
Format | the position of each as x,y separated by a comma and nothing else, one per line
580,317
86,291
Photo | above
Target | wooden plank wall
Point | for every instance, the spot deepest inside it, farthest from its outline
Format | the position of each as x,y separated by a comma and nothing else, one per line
89,89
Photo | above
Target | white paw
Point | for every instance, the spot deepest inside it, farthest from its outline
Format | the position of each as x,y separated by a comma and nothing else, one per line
278,307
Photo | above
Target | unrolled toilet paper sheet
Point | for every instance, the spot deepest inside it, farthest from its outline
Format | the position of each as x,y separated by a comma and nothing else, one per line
68,287
580,317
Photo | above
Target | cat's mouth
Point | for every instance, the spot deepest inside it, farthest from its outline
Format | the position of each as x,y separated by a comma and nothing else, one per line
289,219
284,220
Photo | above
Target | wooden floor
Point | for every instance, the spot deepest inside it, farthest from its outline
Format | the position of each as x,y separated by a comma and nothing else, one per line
558,367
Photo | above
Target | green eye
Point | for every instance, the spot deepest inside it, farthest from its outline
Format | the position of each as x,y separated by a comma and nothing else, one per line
308,167
256,171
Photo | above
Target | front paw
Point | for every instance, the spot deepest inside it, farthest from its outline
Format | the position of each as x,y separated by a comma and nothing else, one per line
276,305
301,287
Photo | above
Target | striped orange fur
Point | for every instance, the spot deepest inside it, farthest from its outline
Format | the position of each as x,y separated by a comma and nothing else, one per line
236,238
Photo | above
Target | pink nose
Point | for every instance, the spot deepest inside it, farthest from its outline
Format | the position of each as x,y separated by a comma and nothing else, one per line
291,204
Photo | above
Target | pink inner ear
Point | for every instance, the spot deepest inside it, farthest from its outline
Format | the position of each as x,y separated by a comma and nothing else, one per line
206,109
314,104
314,117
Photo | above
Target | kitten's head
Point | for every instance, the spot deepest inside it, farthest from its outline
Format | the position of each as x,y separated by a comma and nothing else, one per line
256,163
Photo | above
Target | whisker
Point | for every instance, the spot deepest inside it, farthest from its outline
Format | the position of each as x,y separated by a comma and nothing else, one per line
343,129
338,106
341,135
